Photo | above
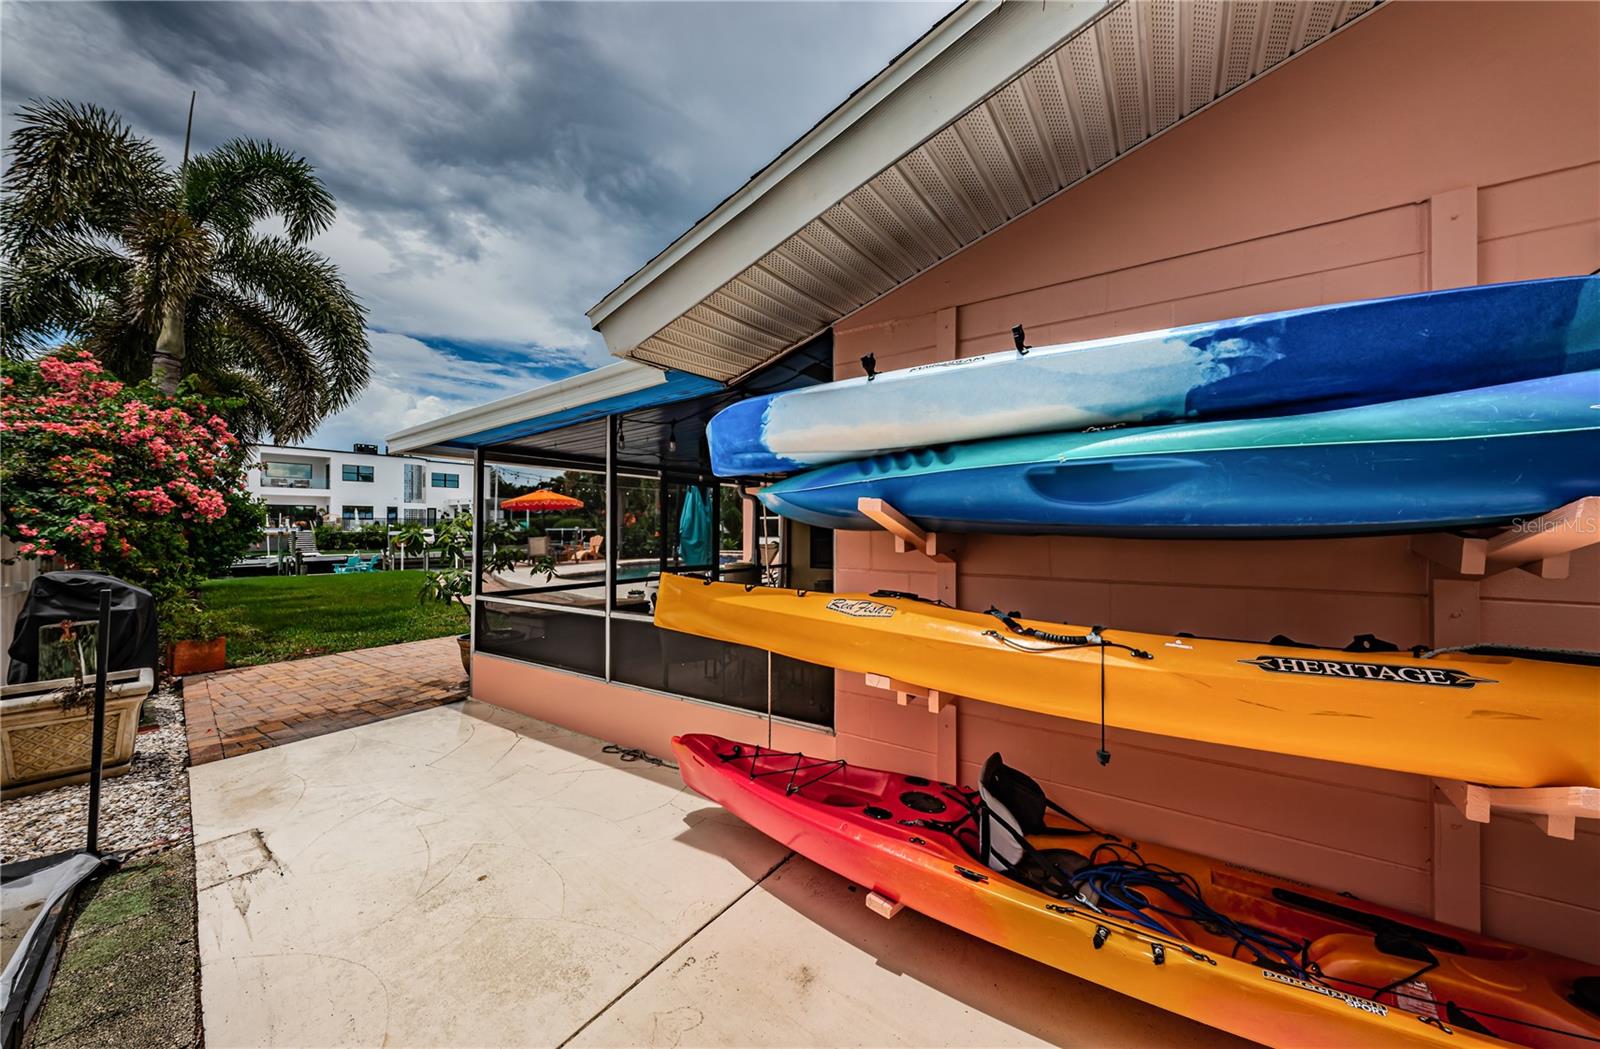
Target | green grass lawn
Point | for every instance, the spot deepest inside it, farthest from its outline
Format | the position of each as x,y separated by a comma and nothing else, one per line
128,973
270,618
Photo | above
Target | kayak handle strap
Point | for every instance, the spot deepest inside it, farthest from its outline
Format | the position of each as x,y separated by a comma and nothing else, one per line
1095,637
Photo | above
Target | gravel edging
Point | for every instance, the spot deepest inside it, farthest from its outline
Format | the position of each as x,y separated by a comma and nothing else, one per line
129,972
143,810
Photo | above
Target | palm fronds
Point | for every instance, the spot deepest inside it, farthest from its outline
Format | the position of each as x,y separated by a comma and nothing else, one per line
103,244
241,182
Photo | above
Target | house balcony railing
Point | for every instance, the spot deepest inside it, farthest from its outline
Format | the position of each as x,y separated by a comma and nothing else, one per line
292,482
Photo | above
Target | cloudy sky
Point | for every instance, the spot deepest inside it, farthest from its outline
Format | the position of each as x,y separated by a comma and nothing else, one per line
499,167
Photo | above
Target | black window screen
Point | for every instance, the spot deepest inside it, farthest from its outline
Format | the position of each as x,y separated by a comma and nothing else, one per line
802,691
549,636
715,671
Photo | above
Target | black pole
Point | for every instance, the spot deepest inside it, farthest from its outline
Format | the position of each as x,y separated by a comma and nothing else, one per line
613,518
188,130
481,509
714,494
663,549
97,746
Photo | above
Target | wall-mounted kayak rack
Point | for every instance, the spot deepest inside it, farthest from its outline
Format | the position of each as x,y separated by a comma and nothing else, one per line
909,536
1555,810
1542,546
905,692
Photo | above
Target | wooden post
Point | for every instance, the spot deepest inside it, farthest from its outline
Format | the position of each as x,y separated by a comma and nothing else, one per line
949,759
1456,890
908,535
1453,238
947,330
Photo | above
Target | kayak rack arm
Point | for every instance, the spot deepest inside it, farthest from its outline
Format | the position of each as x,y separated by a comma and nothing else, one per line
1541,545
905,691
907,534
1555,809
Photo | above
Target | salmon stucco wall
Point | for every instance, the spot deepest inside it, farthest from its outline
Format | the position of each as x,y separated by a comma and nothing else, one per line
1430,145
630,717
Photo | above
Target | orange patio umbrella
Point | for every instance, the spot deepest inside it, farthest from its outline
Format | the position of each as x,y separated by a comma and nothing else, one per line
541,501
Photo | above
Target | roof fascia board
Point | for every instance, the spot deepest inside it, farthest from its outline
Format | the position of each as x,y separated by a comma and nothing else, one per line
915,58
681,386
613,380
967,58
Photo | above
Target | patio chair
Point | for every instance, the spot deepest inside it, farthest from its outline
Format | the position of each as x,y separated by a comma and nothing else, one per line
591,551
353,563
771,569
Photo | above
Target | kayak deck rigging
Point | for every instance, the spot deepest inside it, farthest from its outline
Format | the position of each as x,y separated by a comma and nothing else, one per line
1494,720
1309,957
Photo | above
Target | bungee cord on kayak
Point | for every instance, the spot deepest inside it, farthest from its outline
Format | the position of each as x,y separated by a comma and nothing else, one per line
1117,890
1095,637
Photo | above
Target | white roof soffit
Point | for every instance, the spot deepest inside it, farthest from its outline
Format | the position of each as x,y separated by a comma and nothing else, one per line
613,380
909,170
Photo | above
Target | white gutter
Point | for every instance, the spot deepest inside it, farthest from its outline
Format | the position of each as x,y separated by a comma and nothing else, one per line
969,55
613,380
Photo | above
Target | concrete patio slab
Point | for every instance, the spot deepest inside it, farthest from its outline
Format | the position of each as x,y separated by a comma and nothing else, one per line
444,879
467,876
802,962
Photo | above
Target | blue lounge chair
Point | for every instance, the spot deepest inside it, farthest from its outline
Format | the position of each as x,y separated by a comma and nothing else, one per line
353,563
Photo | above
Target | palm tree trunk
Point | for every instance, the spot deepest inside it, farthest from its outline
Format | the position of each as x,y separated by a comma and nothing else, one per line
167,366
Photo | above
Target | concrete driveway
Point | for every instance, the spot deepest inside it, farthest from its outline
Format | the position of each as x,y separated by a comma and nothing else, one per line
464,876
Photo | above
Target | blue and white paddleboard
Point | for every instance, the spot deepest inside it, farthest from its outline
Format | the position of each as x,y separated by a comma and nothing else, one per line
1274,364
1452,460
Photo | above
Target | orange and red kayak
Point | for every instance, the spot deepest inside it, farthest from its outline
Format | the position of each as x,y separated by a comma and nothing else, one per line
1269,959
1484,717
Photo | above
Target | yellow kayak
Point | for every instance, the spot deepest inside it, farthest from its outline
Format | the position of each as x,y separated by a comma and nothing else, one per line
1485,718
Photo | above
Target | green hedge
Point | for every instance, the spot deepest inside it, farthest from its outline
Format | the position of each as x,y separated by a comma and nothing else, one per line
367,537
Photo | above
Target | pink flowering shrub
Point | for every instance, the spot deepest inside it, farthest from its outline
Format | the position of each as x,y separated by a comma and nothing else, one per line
116,478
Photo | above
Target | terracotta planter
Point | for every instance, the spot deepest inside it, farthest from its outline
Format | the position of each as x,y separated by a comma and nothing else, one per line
199,657
43,746
465,641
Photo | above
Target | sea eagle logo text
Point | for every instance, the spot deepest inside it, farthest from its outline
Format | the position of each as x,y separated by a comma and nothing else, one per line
860,609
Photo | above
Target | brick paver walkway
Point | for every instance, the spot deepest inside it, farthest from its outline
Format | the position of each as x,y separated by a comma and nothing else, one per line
234,712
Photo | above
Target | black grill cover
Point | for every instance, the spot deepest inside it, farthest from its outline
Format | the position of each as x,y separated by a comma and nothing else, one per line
57,596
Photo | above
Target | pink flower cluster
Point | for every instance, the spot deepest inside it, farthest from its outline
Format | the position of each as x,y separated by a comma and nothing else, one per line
97,471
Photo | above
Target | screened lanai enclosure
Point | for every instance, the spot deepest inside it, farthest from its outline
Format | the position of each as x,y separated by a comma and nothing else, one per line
582,598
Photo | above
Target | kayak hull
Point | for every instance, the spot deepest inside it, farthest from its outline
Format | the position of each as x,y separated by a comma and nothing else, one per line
1306,360
826,820
1474,457
1490,719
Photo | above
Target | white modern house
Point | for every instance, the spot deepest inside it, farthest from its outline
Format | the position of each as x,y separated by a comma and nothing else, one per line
305,486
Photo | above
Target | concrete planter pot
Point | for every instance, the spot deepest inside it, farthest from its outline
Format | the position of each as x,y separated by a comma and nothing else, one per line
199,657
43,746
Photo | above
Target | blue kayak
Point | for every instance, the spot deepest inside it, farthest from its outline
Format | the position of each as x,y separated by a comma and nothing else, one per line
1453,460
1285,363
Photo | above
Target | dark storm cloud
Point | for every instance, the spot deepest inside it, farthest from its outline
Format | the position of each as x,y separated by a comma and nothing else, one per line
499,167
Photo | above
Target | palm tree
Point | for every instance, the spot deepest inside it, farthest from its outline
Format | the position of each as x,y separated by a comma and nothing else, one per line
168,273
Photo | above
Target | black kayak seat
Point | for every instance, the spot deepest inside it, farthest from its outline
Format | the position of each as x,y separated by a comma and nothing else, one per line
1014,807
